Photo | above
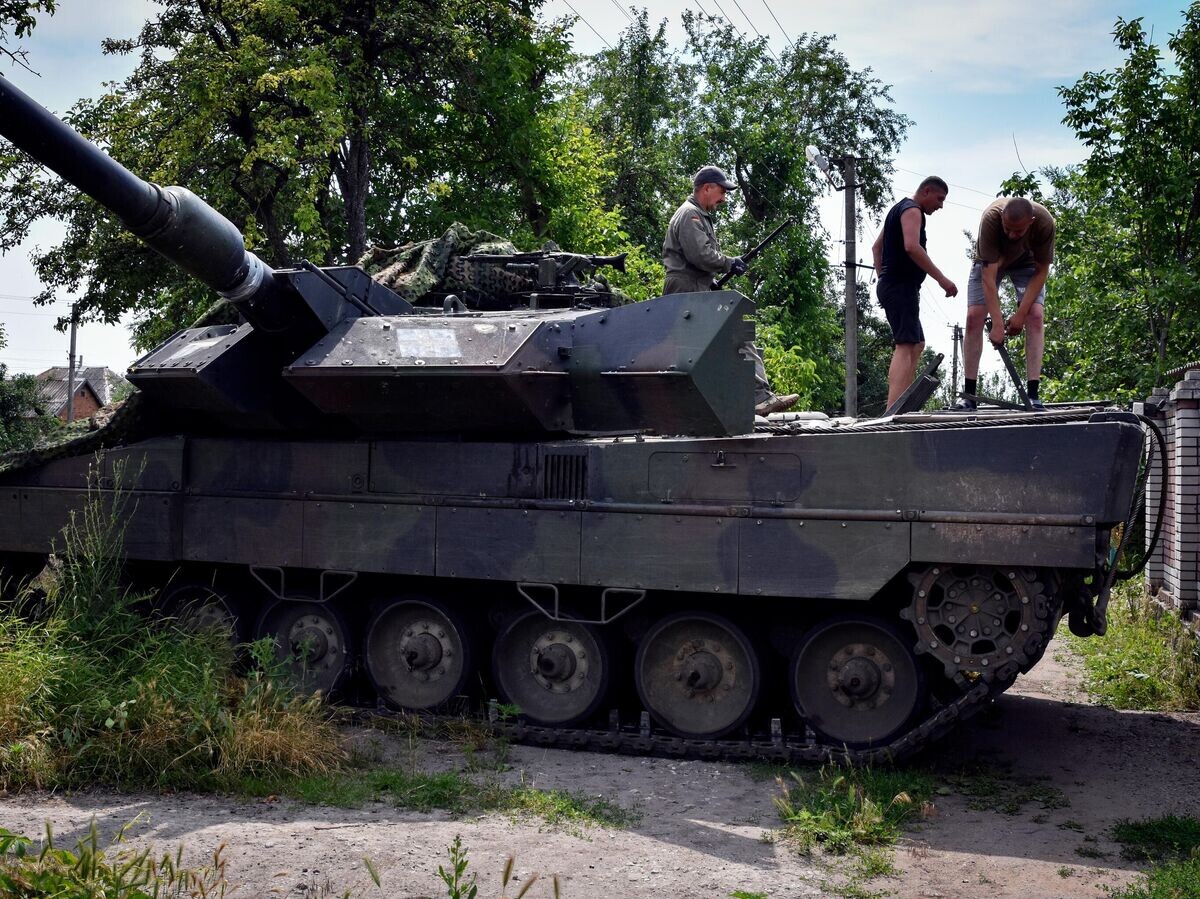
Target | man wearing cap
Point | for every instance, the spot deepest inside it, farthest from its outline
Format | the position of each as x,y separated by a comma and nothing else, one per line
692,257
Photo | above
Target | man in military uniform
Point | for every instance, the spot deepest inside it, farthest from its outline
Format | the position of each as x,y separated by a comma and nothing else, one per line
692,257
1016,240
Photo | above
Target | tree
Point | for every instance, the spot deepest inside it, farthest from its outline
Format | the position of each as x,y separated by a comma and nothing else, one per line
755,113
1126,300
637,93
317,128
18,18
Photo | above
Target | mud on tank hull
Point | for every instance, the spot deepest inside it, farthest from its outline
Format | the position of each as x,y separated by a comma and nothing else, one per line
821,589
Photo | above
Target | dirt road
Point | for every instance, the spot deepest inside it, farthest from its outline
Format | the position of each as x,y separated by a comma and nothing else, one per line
1046,774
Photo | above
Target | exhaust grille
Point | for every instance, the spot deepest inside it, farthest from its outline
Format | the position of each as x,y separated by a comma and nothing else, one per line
564,476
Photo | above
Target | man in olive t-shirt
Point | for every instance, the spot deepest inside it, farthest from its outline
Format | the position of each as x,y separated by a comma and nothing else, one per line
1016,239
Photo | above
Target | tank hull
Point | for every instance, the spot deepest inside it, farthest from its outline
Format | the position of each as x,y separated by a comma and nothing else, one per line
764,538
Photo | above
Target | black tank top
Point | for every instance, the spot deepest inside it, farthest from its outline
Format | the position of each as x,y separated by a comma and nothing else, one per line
897,264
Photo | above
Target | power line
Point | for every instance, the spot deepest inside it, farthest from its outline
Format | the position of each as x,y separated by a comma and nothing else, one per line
951,183
588,24
623,10
791,43
755,28
37,314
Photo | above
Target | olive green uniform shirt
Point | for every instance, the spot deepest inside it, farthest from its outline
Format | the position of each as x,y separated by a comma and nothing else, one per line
993,245
690,252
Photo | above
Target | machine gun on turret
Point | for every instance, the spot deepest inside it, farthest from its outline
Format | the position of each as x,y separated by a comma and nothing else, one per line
558,279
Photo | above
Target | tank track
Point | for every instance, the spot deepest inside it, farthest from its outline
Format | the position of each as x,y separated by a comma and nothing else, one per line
979,686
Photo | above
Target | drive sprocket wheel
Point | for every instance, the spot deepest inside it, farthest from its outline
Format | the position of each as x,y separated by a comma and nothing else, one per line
976,620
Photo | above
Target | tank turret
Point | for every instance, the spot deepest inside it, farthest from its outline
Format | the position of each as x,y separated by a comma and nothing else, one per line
333,351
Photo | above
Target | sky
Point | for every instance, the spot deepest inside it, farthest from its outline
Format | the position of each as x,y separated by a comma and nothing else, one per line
979,80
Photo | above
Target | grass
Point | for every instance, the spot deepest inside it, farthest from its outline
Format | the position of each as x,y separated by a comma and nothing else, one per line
1177,880
987,789
843,809
1156,839
451,791
93,870
1172,842
91,693
1148,659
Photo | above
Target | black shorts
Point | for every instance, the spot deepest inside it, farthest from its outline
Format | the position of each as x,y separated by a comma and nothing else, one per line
901,302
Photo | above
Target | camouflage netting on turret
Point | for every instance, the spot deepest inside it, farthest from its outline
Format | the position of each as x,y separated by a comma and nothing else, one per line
416,270
431,269
122,422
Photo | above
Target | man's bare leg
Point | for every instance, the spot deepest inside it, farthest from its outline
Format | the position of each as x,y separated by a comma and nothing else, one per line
1035,341
903,369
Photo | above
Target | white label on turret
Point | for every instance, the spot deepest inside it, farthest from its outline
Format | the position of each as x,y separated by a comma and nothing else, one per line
427,343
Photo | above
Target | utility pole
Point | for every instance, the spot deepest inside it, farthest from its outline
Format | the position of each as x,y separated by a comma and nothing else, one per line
849,186
71,366
956,330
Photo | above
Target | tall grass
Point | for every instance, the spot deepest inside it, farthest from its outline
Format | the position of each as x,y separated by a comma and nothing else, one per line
92,692
1148,659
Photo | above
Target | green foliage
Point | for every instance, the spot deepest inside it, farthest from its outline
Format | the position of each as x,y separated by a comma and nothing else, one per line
754,113
1171,837
23,420
987,789
452,791
93,693
18,17
93,871
458,884
1147,660
1178,880
845,809
1126,292
317,128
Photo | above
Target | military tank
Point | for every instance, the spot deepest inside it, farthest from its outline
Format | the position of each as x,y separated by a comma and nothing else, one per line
570,516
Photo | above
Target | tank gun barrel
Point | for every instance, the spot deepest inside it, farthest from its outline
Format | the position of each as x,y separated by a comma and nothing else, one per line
172,220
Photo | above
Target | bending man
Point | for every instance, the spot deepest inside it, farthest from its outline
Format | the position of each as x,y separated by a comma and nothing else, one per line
1016,238
902,264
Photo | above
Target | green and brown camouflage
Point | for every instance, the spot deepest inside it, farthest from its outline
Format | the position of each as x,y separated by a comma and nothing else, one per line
574,510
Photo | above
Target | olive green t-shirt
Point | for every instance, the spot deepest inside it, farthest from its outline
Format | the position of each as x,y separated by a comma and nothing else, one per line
1035,247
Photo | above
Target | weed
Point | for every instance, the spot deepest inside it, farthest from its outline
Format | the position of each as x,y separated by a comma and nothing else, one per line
1071,824
1064,871
1177,880
744,894
1086,851
990,790
1147,660
458,884
95,870
841,809
92,693
1159,839
874,863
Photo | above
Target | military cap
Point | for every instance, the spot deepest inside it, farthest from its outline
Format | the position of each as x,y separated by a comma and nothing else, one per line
710,174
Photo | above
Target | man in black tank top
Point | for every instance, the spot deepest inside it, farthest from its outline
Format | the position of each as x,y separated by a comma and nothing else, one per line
902,264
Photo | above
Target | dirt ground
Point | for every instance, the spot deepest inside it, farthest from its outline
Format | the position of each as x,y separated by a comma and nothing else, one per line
704,827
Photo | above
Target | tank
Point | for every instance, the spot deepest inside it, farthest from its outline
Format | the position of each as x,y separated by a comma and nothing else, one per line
570,516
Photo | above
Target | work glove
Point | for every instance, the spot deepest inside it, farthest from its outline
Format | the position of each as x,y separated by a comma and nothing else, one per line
737,266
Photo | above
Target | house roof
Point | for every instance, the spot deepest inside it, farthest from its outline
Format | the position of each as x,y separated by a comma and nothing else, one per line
101,379
52,387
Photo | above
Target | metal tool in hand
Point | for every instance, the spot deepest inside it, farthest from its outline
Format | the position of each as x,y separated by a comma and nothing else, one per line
1024,405
748,257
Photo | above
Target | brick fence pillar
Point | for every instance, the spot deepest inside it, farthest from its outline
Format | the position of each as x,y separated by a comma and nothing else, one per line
1156,408
1186,489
